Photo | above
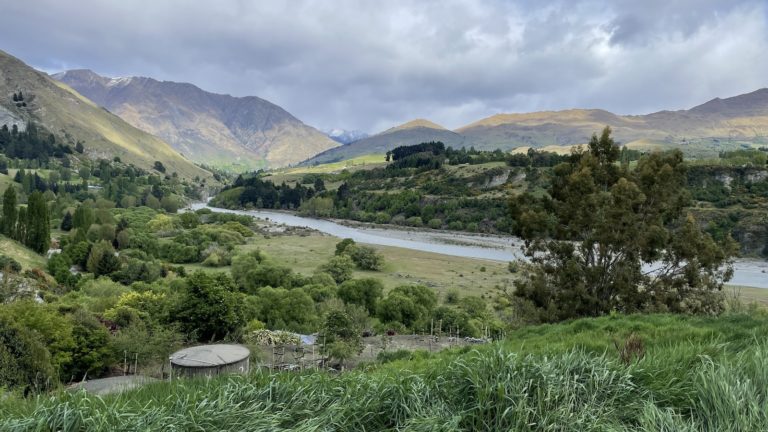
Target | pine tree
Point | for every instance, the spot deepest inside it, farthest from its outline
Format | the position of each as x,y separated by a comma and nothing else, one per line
8,223
66,222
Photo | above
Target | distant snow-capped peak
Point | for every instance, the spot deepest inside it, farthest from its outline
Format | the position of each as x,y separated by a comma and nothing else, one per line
345,136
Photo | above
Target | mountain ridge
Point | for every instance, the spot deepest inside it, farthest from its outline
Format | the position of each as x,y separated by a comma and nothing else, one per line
205,126
703,129
71,116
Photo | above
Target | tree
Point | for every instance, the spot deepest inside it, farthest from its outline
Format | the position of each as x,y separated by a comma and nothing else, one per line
339,267
208,308
366,258
102,259
409,305
159,166
66,222
319,184
54,330
341,247
24,361
363,292
79,147
591,241
38,223
20,233
92,354
8,223
83,218
341,337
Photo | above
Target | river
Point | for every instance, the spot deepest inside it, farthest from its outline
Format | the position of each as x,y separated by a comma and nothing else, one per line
752,273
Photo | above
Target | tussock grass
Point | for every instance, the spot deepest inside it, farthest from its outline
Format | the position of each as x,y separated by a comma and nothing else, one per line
698,374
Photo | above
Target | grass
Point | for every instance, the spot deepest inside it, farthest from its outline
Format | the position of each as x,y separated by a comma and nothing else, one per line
25,256
290,175
402,266
698,374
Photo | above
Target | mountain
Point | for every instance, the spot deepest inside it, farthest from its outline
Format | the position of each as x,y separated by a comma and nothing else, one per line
735,120
70,116
704,130
343,136
412,132
206,127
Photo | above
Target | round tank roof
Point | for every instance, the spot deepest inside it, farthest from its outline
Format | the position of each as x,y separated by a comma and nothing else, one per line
210,355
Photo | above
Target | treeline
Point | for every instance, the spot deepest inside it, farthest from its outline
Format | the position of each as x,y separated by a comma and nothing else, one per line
29,225
258,193
431,196
31,143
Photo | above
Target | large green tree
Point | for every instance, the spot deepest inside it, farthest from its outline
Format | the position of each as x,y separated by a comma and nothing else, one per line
208,308
38,223
607,237
8,223
340,336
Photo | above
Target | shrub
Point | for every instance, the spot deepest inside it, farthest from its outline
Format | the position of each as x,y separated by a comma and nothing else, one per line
8,263
366,258
339,267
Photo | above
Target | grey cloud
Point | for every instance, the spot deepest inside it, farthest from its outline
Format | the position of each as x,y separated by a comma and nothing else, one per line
370,64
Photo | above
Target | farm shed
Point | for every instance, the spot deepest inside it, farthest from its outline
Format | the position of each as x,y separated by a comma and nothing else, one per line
210,360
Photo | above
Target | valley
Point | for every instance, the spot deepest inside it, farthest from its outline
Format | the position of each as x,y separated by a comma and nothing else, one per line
384,216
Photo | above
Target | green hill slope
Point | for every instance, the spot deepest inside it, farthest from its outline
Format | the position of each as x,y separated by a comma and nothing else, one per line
71,116
413,132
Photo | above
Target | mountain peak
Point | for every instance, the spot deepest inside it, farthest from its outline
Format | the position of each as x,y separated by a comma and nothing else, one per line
419,122
212,128
752,103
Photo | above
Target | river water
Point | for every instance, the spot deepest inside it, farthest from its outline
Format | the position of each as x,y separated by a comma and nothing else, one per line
753,273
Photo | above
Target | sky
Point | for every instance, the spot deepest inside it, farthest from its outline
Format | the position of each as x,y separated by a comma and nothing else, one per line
370,65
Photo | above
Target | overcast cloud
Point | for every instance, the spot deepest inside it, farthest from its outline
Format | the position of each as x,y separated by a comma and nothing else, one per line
372,64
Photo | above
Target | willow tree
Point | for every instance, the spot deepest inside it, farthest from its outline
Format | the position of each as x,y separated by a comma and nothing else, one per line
609,237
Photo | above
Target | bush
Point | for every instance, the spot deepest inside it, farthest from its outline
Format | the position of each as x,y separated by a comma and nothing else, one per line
339,267
382,218
366,258
414,221
363,292
8,263
25,364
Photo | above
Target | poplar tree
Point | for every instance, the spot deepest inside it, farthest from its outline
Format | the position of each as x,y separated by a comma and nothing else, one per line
38,223
8,223
20,232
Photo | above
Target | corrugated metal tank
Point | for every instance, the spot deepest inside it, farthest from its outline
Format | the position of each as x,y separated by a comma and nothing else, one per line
210,360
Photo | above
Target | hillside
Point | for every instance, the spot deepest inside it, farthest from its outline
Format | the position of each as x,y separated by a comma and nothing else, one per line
702,131
206,127
410,133
719,123
72,117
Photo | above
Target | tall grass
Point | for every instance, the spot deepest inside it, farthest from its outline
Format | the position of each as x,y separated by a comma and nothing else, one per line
697,375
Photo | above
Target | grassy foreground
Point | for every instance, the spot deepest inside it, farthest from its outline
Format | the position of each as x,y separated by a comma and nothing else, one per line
698,374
